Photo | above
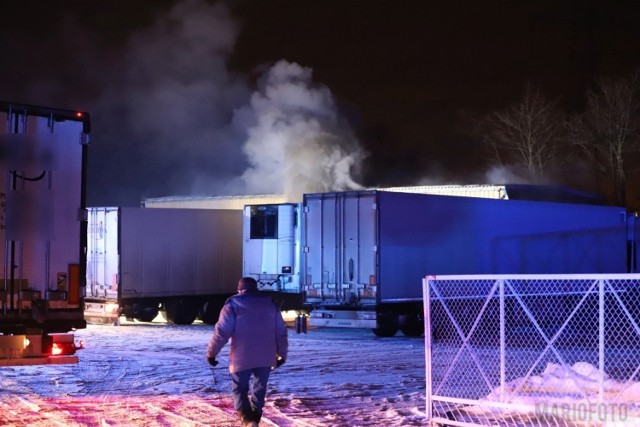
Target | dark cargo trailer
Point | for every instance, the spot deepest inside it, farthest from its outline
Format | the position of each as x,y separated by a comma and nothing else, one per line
364,253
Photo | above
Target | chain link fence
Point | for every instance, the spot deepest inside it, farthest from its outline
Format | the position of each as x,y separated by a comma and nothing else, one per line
561,350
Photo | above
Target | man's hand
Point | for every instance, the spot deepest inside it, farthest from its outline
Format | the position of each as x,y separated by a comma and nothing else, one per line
212,361
279,362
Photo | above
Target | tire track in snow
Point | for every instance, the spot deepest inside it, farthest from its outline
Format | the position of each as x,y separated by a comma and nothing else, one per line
182,411
107,375
34,411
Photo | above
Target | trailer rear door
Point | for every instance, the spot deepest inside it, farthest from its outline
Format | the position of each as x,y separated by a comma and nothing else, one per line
339,257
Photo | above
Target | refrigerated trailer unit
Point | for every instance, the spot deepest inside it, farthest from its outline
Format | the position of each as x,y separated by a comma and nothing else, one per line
43,229
271,251
364,253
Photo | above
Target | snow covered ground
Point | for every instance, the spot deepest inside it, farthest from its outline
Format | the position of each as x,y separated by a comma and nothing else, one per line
155,374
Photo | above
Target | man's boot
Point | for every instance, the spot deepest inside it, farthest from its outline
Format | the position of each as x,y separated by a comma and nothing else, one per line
249,418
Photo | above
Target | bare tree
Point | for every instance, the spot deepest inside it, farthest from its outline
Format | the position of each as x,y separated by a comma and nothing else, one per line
527,133
608,132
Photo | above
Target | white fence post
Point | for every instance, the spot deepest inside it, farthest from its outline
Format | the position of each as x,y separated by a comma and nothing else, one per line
601,342
427,344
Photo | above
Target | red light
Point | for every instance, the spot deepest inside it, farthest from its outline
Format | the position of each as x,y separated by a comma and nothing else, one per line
56,349
62,348
79,115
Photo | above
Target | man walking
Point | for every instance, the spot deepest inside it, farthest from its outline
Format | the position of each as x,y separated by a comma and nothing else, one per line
259,343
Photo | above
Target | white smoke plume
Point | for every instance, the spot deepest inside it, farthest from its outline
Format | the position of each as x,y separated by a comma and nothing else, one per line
501,175
298,144
193,127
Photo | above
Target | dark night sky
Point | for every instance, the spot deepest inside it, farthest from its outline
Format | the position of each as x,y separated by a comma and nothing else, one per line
169,84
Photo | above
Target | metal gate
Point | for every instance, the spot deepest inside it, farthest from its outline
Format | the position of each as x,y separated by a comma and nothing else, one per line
533,349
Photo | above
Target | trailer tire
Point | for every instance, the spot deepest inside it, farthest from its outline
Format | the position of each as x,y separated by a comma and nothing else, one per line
211,312
145,313
412,325
181,311
387,325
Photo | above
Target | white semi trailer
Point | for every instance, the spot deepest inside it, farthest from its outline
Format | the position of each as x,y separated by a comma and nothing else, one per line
183,262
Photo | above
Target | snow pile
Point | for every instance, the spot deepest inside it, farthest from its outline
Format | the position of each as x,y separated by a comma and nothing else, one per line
566,392
566,383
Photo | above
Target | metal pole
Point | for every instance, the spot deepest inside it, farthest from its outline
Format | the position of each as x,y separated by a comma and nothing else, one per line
601,339
427,344
503,345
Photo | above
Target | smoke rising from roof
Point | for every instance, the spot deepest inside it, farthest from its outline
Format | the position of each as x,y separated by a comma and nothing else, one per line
298,143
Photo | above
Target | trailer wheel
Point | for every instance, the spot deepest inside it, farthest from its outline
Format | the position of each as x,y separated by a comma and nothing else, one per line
145,313
181,311
411,325
387,325
211,311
